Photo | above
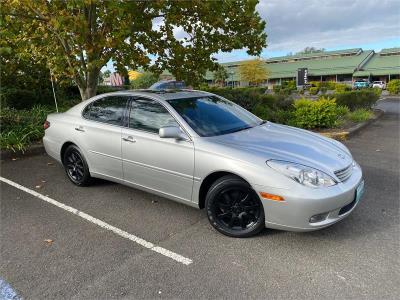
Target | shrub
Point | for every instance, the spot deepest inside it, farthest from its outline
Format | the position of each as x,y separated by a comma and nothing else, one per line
314,90
360,115
19,128
144,81
394,86
341,88
357,99
276,88
323,90
286,88
262,111
329,85
289,85
322,113
246,97
19,98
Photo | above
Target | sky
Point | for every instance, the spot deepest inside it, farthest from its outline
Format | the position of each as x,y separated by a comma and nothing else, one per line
333,25
340,24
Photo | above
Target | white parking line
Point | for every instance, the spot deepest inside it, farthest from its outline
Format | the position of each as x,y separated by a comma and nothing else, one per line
175,256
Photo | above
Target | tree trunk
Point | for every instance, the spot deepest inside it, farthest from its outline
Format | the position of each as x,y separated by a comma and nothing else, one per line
89,88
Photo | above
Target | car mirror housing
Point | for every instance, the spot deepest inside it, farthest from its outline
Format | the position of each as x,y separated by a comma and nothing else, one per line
172,132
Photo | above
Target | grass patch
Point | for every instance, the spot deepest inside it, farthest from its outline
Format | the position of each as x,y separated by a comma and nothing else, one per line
360,115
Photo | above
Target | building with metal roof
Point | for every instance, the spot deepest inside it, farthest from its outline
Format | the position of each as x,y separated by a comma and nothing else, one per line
340,66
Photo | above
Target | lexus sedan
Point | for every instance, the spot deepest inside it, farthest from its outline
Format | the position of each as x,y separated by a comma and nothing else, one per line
202,150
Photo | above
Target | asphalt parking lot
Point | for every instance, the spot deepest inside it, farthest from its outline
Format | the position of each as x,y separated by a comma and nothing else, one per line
47,252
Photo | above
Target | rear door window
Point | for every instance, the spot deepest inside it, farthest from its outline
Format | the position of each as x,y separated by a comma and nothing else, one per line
109,110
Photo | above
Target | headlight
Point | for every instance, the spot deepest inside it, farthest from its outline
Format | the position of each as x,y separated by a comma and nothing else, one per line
302,174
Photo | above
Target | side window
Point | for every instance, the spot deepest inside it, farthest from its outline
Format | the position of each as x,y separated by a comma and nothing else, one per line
108,110
149,115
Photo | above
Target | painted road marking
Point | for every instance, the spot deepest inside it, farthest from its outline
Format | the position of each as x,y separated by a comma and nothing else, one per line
7,292
175,256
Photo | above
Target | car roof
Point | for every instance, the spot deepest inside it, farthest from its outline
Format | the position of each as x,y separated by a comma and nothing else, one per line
161,95
169,94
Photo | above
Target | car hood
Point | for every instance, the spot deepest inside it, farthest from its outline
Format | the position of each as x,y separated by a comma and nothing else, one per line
273,141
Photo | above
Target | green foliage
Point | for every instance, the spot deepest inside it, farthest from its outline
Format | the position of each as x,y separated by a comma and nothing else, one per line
19,128
144,81
245,97
220,75
314,90
25,99
341,88
360,115
329,85
394,86
77,38
357,99
289,85
377,91
253,71
262,111
309,114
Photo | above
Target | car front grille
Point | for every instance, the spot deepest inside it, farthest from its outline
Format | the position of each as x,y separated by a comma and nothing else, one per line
345,173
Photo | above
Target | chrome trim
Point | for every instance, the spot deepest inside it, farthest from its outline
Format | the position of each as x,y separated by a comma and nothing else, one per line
345,173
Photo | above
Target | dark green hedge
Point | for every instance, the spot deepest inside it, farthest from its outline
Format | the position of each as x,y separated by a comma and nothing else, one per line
357,99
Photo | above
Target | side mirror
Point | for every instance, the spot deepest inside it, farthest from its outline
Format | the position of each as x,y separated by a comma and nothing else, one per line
172,132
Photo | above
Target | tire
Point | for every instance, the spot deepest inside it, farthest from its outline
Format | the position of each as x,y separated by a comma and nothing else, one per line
76,166
234,208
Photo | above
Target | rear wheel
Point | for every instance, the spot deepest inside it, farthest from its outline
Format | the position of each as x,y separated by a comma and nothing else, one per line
233,207
76,167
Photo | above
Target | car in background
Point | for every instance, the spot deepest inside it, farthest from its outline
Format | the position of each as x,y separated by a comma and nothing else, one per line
379,84
361,84
168,85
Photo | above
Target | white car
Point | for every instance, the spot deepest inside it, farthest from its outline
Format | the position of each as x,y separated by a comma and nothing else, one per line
205,151
379,84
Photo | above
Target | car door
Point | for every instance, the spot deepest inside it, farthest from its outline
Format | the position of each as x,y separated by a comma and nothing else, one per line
100,134
165,165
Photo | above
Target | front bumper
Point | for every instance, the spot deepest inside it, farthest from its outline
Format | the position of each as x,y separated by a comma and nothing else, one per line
294,214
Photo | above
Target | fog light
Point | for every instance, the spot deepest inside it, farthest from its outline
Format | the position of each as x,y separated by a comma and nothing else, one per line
318,218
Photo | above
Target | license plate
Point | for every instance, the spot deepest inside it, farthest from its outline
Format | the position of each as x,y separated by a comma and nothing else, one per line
360,191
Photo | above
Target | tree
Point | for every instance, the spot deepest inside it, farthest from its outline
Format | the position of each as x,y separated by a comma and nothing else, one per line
220,75
254,71
144,81
77,38
308,50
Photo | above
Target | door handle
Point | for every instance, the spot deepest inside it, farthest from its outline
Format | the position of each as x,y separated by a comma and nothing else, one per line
129,139
80,128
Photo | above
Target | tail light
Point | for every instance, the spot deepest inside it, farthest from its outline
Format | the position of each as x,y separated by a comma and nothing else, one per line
46,125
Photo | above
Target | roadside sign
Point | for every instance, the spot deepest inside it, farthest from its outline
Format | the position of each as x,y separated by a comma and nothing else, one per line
302,76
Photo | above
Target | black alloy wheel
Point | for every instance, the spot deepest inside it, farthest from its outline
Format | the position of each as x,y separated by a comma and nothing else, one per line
76,167
233,208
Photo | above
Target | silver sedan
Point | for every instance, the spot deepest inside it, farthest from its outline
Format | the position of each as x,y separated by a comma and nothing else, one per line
205,151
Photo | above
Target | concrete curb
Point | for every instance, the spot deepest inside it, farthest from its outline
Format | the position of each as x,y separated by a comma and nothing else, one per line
32,150
343,135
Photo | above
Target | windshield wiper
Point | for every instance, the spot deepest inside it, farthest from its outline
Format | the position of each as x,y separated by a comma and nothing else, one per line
240,129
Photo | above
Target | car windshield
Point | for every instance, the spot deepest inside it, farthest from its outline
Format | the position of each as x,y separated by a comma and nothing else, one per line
211,116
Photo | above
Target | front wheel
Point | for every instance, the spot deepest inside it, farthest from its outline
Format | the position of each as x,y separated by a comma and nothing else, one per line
233,208
76,167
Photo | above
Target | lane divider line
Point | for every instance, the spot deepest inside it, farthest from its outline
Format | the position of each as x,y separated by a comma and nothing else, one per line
175,256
